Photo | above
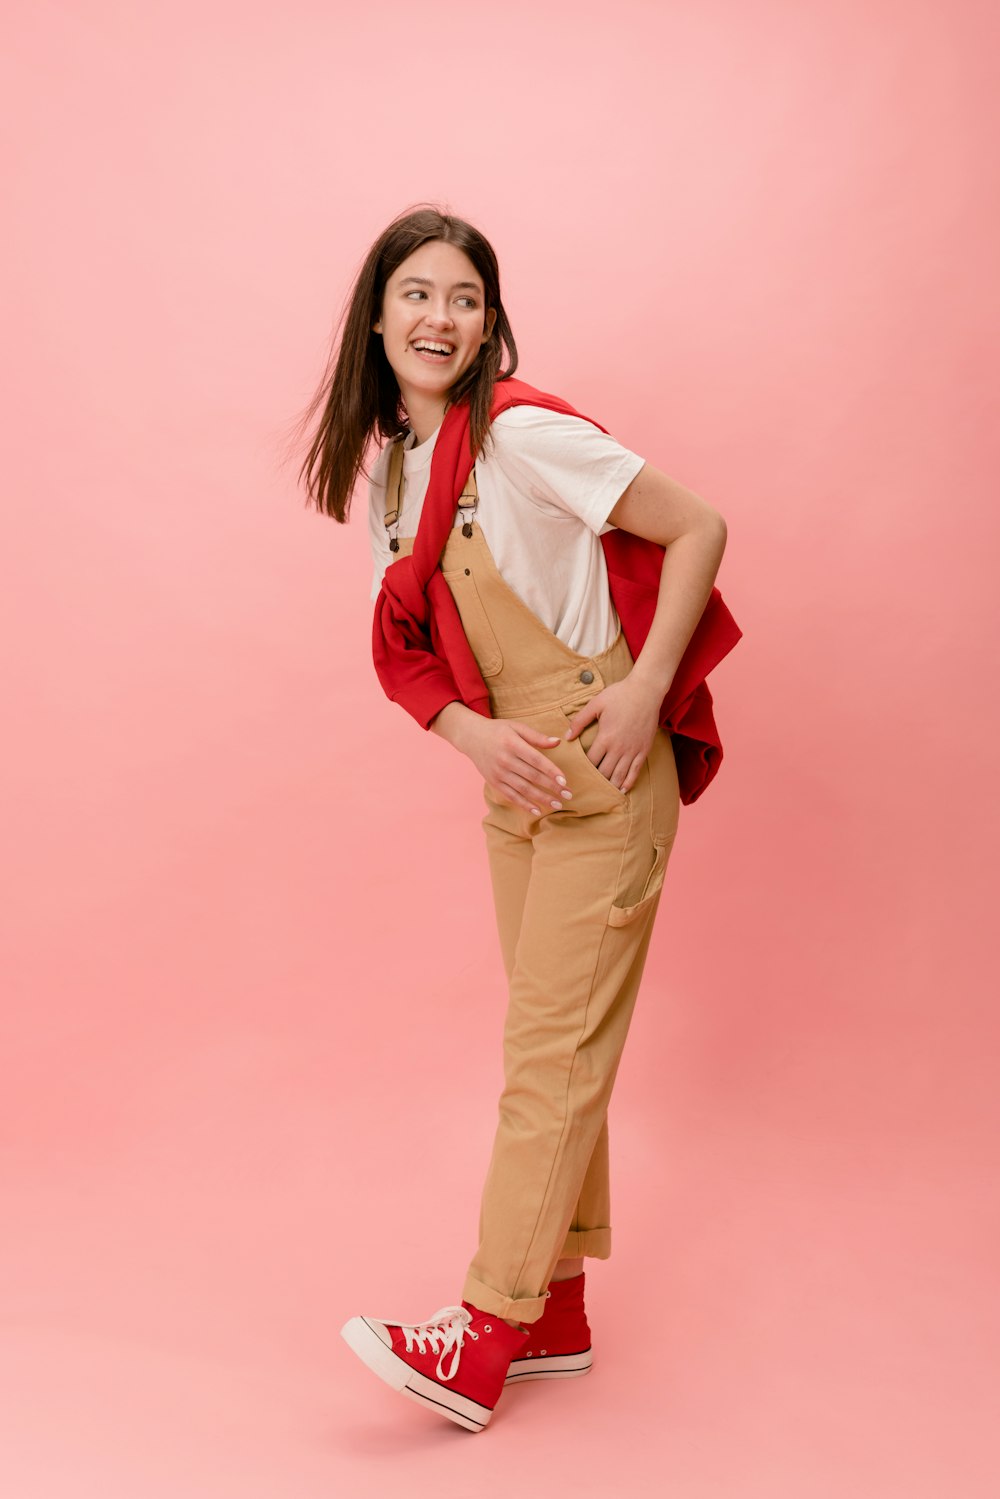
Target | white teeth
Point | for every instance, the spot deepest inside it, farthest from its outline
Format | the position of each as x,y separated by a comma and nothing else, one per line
435,348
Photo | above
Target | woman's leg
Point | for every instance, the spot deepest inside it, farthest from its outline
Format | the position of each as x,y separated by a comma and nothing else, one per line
585,925
510,856
590,1230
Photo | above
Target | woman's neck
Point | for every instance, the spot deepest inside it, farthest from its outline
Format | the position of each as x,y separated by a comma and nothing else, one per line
424,416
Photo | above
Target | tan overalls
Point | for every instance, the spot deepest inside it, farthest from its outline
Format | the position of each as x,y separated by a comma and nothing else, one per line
576,891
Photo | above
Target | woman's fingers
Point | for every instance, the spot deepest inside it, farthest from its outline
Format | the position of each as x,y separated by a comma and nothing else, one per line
614,767
530,748
530,763
539,793
622,772
633,772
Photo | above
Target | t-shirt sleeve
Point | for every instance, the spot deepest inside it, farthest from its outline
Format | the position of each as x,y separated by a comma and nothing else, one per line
564,462
377,535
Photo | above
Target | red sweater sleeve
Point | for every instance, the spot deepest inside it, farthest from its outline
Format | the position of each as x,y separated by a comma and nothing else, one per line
411,673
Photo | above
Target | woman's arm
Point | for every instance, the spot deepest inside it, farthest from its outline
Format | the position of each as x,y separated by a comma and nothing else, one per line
694,534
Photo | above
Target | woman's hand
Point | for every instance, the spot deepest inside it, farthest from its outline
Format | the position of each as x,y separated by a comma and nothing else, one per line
628,714
508,756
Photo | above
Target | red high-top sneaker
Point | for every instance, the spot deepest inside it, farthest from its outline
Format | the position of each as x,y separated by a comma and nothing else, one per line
454,1362
558,1345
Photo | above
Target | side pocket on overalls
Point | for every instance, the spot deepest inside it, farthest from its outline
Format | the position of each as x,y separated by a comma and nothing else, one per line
622,915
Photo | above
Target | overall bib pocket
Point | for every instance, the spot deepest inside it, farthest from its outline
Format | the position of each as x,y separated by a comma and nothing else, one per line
475,620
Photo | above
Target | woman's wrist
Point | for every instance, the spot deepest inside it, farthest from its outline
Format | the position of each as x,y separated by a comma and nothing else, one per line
454,723
653,680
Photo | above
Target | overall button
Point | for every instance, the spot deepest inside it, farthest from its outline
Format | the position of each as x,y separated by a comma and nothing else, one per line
586,676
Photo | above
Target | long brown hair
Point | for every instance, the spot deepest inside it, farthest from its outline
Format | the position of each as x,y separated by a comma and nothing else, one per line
359,394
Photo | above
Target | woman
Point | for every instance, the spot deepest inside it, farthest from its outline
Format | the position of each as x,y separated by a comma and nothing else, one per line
580,782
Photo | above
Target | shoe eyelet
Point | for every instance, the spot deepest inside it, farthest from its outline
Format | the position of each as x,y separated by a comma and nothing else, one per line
542,1352
487,1328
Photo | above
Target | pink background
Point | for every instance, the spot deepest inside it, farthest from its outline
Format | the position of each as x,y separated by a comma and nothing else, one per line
253,994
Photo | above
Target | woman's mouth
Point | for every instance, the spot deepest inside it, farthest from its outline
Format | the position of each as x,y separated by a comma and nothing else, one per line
433,352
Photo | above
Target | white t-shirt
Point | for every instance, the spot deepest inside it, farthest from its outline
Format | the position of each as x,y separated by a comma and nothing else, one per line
545,491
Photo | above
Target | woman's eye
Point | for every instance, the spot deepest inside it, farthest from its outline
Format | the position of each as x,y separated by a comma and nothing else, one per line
471,301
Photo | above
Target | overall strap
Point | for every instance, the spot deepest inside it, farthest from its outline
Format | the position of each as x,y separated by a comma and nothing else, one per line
393,496
394,486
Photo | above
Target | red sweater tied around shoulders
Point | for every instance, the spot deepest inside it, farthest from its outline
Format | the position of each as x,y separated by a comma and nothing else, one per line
422,655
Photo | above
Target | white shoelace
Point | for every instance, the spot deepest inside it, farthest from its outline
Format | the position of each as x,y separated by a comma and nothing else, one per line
451,1325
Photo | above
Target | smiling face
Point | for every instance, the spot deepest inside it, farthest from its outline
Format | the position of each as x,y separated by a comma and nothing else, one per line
433,301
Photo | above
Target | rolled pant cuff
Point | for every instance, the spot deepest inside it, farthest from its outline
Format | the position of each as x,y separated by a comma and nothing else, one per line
595,1242
487,1300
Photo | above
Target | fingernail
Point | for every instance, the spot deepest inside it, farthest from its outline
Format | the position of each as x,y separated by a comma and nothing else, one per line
557,806
566,794
537,811
561,780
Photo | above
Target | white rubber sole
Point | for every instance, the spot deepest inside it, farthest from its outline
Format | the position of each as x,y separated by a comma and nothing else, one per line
551,1366
362,1338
